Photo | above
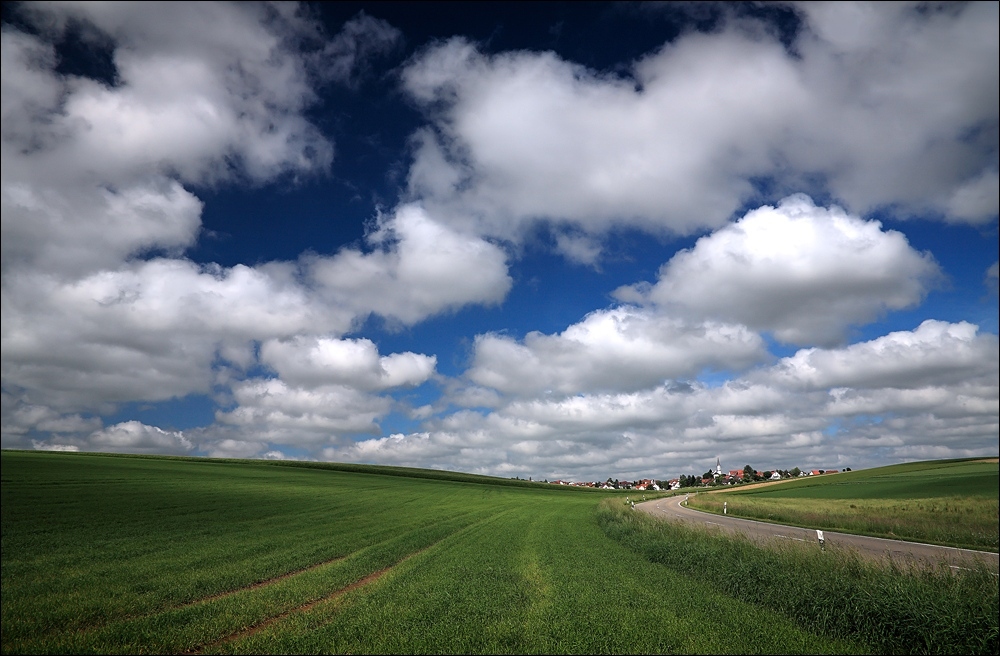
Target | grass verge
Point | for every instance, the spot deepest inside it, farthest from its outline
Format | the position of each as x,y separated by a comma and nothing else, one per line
835,593
949,502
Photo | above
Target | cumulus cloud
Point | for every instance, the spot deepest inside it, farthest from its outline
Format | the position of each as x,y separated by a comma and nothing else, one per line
624,348
99,305
885,107
311,362
898,110
932,390
327,390
238,448
418,267
150,330
136,437
270,410
803,272
20,419
936,353
93,173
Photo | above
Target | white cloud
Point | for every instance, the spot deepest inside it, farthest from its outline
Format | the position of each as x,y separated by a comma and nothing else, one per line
312,362
936,353
41,446
803,272
136,437
624,348
269,410
148,331
234,448
932,390
198,87
883,106
419,267
157,329
908,98
975,200
93,173
525,136
20,419
898,110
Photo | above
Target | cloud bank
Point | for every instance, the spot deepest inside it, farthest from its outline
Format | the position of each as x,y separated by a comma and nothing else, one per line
898,110
771,157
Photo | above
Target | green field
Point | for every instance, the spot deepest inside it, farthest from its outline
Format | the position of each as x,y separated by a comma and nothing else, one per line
953,503
116,554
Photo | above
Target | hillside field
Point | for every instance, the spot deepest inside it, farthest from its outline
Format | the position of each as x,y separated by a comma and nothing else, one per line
948,502
130,554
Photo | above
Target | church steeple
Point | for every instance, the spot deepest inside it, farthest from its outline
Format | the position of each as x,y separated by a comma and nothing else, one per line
718,467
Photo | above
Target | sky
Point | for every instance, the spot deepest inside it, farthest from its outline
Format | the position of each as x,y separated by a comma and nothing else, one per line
570,241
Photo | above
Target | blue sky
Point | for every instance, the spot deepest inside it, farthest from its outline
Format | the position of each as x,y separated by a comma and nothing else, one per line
557,240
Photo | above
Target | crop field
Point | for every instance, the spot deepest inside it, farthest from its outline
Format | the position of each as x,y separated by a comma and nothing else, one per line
954,503
116,554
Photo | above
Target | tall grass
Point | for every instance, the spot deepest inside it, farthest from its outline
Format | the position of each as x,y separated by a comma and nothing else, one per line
954,521
836,593
949,502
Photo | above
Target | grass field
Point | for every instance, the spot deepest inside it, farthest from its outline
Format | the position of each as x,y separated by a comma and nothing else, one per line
110,554
953,503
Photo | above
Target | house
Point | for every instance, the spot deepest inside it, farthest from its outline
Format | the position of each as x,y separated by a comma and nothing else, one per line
776,475
816,472
736,474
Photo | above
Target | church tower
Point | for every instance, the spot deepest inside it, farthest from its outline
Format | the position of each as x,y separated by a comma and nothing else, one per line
718,467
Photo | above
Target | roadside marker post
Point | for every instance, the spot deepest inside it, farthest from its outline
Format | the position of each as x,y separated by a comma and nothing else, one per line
822,542
725,507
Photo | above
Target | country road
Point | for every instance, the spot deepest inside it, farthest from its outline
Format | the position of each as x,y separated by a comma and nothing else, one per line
672,508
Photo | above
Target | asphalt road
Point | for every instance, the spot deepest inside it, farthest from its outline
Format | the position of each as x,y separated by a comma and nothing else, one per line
672,508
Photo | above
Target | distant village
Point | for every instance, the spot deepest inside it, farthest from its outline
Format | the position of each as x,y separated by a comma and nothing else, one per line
711,478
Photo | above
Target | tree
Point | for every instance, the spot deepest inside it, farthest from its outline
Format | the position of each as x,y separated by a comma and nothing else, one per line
795,471
748,474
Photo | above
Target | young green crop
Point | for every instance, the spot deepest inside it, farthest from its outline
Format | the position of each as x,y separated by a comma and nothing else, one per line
112,554
540,578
